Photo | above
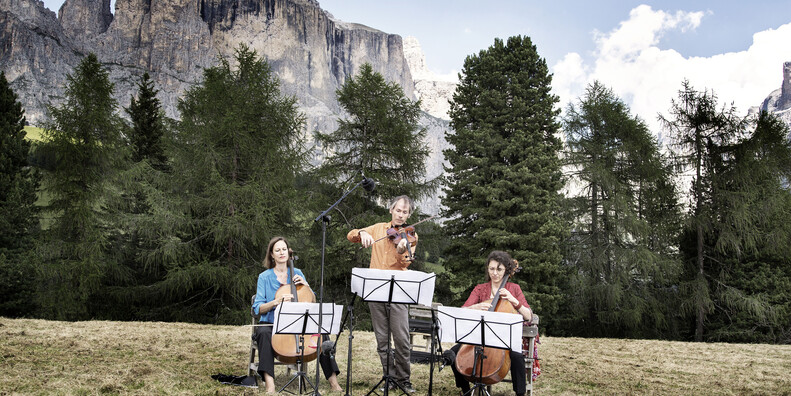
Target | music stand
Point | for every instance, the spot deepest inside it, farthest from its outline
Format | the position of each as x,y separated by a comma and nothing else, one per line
390,286
483,329
300,318
369,185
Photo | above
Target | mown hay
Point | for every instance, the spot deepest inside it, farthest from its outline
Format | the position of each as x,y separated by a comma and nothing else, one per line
96,357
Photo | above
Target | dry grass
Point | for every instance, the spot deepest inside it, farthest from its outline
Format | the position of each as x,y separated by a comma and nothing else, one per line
43,357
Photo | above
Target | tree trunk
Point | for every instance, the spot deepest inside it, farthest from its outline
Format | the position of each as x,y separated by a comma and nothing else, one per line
701,314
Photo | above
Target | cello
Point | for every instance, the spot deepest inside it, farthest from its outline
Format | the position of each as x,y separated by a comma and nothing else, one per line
286,346
496,363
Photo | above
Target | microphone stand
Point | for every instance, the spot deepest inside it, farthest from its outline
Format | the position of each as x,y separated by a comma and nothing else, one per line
325,219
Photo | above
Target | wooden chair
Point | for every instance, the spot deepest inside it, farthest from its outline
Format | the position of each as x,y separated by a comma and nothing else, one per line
529,333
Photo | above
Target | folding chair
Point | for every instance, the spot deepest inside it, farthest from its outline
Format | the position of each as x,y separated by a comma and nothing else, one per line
252,365
420,329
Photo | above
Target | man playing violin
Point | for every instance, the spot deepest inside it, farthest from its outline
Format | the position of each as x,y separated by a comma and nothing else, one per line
388,255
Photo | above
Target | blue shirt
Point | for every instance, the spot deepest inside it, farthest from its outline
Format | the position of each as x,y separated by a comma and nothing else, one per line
266,290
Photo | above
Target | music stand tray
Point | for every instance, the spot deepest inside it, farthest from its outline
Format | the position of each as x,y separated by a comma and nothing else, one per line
483,329
409,287
390,286
300,318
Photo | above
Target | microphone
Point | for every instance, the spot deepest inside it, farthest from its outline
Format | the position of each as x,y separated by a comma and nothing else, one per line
448,357
368,183
327,347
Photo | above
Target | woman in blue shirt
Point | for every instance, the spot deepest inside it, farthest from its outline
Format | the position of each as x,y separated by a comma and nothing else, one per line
269,282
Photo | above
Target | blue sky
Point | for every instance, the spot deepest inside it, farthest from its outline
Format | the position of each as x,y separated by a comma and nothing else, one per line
449,30
641,49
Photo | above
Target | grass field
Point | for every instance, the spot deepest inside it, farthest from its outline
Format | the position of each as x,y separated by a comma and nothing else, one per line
33,133
95,357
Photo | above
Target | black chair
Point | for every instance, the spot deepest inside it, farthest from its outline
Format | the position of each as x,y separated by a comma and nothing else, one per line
252,365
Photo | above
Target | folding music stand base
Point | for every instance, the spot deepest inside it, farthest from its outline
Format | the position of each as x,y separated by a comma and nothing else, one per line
387,379
478,386
300,375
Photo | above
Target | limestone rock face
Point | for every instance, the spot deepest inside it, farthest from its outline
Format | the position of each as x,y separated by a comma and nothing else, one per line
434,93
34,54
85,17
310,51
779,101
174,40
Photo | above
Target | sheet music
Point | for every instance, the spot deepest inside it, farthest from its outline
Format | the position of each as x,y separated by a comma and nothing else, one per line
463,325
412,287
289,318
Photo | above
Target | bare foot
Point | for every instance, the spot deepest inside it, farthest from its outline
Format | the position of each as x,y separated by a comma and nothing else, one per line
333,380
270,384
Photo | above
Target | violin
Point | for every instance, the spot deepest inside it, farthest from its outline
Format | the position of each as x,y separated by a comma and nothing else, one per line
496,363
286,346
397,233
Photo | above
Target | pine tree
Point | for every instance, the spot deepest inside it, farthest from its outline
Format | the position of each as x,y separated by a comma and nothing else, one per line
142,200
751,267
504,177
621,248
83,145
380,137
18,214
737,198
238,152
147,124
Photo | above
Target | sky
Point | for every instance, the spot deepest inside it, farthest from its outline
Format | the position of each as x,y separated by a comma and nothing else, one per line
642,50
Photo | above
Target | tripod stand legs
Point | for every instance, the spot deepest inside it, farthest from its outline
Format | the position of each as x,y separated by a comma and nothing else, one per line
479,389
391,362
303,383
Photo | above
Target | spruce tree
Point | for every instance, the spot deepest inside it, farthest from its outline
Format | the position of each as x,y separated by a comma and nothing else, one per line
18,214
237,154
83,147
142,200
621,249
504,179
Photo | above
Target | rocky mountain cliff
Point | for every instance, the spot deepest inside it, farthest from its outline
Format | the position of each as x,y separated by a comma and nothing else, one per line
434,93
779,101
174,40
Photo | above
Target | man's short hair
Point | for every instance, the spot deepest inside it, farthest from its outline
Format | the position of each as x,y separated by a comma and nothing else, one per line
406,199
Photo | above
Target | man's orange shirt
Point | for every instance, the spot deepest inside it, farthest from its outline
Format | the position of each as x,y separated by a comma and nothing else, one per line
383,253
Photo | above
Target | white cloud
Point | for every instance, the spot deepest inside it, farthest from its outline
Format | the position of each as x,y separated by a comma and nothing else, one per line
646,77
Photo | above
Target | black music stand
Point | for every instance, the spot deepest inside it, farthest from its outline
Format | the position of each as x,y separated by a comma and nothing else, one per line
300,319
369,185
483,329
392,287
350,316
